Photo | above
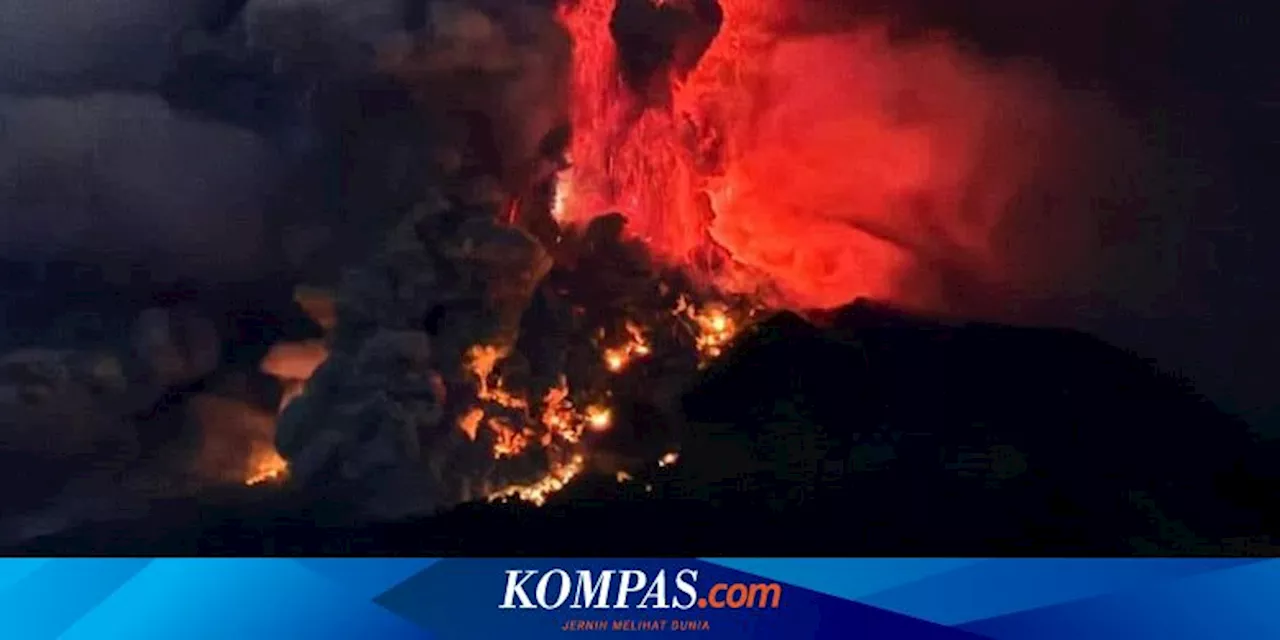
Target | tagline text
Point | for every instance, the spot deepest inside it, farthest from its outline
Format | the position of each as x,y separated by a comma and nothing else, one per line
636,625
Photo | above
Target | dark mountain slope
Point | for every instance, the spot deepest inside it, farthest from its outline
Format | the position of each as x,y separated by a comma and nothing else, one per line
875,433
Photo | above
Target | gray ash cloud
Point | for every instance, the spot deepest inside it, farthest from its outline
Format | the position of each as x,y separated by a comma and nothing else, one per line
96,166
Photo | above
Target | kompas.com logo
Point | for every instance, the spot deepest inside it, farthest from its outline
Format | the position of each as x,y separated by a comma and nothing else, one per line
631,589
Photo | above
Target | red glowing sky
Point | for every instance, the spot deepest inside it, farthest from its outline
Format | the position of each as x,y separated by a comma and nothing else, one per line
835,165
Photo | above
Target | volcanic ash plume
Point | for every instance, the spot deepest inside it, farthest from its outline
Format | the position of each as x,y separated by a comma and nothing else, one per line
828,166
374,414
496,69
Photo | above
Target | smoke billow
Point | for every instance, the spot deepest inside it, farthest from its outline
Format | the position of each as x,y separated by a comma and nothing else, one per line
890,168
896,156
853,160
121,178
1134,214
503,69
77,47
160,134
1113,165
322,37
96,167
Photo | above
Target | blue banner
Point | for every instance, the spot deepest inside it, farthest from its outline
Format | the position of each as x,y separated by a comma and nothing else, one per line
485,599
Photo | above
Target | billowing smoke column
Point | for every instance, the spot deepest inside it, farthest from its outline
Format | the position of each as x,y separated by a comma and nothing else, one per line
376,411
411,408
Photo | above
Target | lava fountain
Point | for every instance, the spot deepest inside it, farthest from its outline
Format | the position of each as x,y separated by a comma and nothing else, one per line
825,167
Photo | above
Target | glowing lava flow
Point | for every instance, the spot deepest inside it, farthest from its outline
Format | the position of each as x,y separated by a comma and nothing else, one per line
510,418
560,425
713,326
617,358
267,466
537,493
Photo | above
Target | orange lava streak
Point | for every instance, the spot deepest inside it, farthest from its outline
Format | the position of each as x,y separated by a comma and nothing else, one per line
557,428
713,326
266,466
538,492
616,359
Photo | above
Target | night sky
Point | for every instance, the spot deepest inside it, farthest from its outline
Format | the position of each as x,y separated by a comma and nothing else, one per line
122,134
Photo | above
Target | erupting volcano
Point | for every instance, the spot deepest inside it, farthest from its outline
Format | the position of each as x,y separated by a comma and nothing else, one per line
723,158
761,163
562,267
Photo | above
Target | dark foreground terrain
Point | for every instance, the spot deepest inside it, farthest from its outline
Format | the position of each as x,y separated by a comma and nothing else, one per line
876,433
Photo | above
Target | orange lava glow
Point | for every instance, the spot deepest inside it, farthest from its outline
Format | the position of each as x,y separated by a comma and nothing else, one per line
236,441
829,167
556,426
599,418
713,326
510,414
538,492
292,364
266,466
616,359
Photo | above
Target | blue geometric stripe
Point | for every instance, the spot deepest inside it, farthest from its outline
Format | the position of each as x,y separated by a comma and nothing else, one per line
195,599
1237,602
849,578
367,578
50,599
999,587
13,570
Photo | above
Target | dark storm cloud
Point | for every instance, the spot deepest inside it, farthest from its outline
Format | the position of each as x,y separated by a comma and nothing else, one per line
1189,230
121,177
157,130
78,45
96,167
342,34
